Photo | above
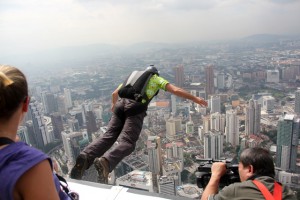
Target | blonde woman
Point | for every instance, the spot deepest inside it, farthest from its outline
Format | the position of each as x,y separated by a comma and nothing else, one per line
25,172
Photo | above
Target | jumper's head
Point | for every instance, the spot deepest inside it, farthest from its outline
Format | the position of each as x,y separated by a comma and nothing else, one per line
152,69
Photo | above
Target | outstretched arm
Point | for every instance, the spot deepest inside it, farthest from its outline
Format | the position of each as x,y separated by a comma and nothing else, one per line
218,169
184,94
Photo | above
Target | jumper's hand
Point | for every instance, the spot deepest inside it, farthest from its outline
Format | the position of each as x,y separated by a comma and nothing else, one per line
201,102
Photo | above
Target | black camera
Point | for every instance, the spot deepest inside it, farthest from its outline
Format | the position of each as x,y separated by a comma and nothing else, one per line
204,173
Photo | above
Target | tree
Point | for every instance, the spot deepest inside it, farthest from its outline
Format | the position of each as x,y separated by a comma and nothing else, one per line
187,159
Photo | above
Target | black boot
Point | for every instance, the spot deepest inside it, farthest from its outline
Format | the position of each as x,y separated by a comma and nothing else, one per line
80,166
102,167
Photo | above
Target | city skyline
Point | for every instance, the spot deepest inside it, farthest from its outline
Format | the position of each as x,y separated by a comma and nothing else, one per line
33,26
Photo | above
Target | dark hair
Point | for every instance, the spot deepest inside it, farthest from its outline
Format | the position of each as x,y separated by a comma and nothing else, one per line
13,90
260,159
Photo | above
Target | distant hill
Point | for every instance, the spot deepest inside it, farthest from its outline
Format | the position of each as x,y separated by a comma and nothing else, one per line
269,37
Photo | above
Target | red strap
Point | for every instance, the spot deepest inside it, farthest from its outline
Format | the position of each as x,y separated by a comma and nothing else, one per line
277,193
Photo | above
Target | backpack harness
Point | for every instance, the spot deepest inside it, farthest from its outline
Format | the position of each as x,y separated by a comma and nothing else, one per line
134,87
277,191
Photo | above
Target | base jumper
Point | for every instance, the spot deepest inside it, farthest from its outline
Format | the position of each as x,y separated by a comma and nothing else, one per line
129,106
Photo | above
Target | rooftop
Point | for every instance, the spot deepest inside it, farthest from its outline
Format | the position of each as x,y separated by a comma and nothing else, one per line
96,191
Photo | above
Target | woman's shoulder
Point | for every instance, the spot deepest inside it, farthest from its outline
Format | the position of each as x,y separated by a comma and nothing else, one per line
21,156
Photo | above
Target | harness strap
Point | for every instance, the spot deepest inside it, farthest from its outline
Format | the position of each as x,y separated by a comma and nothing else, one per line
4,141
277,193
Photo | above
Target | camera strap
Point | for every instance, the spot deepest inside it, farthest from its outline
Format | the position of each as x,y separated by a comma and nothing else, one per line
277,191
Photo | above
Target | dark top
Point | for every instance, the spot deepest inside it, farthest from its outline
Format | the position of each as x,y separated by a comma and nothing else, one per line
15,160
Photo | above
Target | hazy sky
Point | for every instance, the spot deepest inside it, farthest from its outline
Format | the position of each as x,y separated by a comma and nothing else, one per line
30,25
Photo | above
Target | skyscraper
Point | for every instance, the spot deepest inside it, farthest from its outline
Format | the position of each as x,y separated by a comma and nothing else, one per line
57,124
189,127
221,81
217,122
215,104
74,142
91,122
287,142
213,145
232,128
154,153
252,121
166,185
155,159
179,76
173,128
209,73
23,134
68,97
297,101
39,128
49,102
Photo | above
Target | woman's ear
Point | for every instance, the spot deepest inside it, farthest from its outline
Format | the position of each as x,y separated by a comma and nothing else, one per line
25,104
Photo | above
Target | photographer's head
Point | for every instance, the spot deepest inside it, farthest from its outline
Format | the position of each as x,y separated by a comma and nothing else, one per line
256,162
13,91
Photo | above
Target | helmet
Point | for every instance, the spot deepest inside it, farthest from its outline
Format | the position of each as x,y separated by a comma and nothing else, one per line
152,69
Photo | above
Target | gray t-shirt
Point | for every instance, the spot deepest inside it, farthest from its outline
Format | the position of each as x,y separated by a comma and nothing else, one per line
247,190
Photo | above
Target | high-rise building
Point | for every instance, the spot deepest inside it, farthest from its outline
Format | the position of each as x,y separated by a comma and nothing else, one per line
50,103
217,122
68,97
32,139
23,134
272,76
268,103
213,145
209,73
173,105
74,142
221,81
232,128
174,150
61,105
91,124
154,153
173,128
215,104
179,76
78,113
57,124
206,124
253,115
39,128
287,142
155,159
297,101
189,127
166,185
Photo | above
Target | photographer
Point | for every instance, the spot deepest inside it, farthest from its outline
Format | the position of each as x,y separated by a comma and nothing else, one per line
255,164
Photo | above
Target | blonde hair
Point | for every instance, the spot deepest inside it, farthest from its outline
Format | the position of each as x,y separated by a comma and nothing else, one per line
13,90
5,80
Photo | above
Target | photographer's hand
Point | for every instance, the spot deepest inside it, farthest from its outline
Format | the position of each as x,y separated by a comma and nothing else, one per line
218,169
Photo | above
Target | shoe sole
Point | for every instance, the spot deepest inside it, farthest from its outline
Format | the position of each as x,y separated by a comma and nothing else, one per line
100,169
81,163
